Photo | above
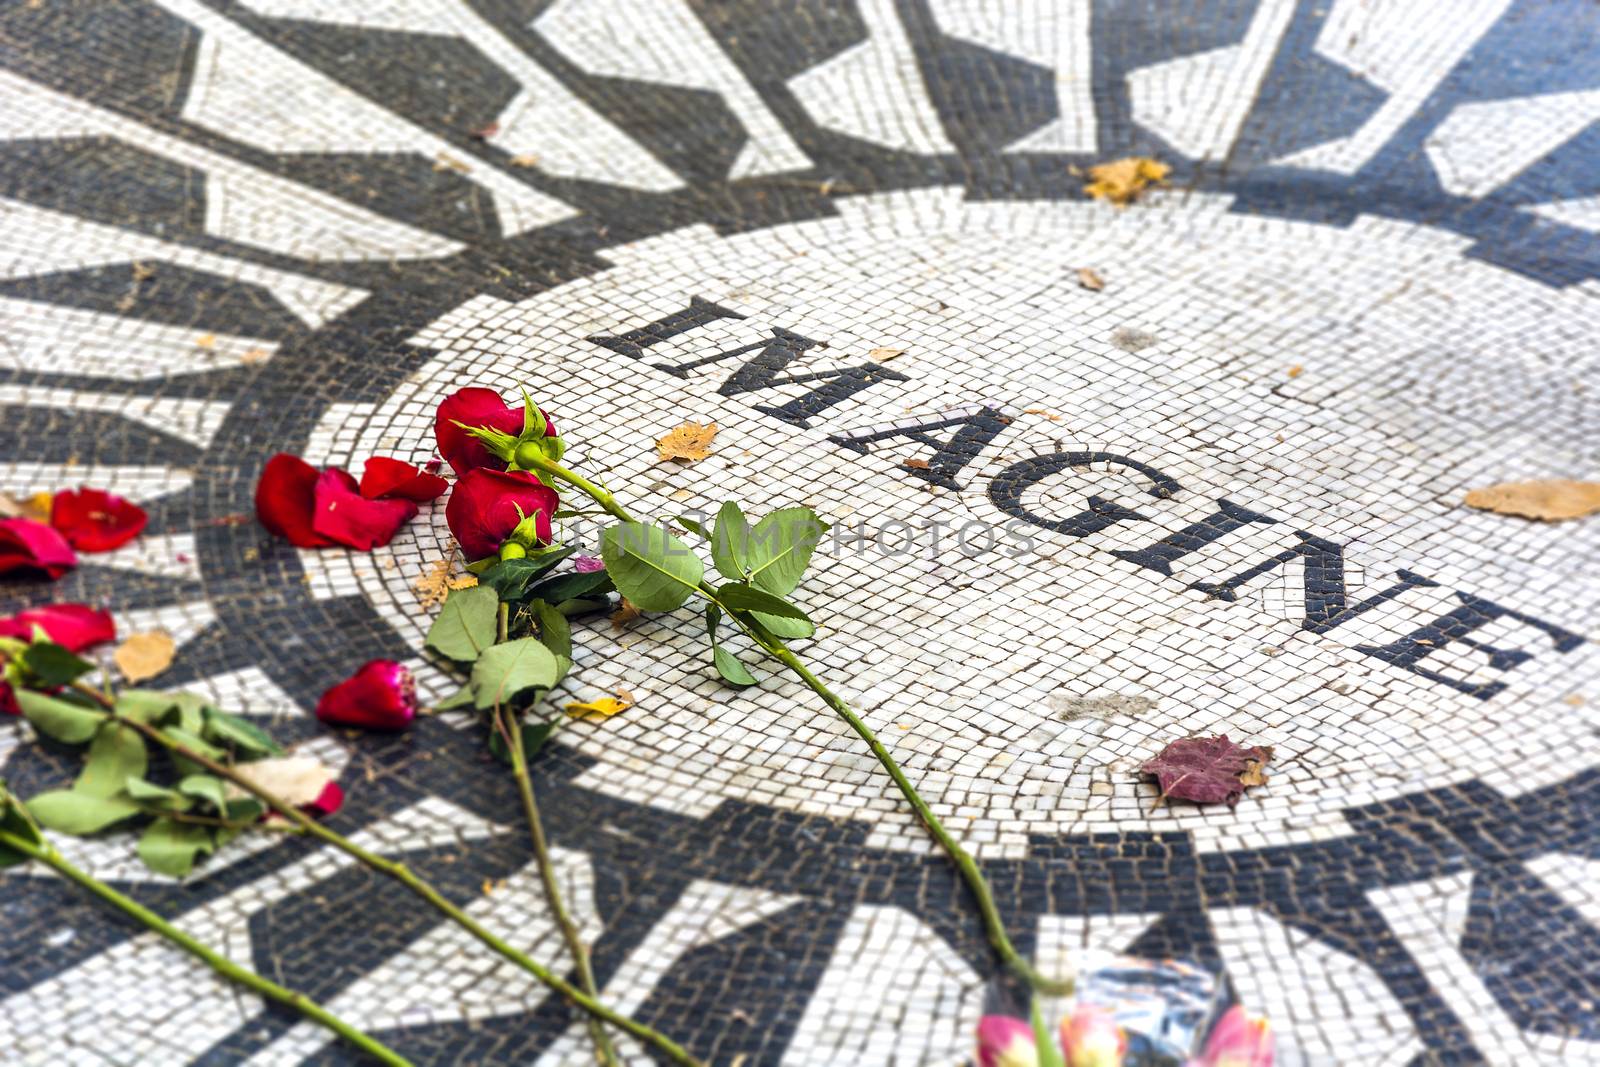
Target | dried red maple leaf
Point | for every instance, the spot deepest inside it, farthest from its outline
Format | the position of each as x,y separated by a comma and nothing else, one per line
1207,770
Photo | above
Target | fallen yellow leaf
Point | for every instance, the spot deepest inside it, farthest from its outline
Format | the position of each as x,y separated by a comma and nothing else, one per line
206,340
1548,500
144,656
603,708
884,355
1122,181
35,507
1088,279
626,612
445,161
250,357
438,583
689,442
525,160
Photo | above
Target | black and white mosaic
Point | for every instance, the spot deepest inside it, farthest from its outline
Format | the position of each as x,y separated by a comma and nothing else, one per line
1219,495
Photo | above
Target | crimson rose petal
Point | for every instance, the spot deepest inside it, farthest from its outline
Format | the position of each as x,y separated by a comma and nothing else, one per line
285,499
386,477
330,800
8,700
73,626
382,695
342,514
484,508
28,545
93,520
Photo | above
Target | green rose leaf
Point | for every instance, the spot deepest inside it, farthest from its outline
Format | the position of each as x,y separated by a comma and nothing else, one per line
144,705
534,736
652,568
53,665
73,812
577,585
556,633
156,796
241,735
693,526
732,671
245,809
730,544
462,698
208,788
64,721
171,847
509,578
503,672
14,820
116,754
780,549
466,624
745,598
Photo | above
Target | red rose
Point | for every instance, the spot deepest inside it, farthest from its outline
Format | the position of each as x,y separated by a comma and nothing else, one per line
29,545
487,505
382,695
312,510
386,477
286,499
93,520
342,514
73,626
477,406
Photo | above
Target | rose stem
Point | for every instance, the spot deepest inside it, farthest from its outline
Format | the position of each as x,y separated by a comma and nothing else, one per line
510,730
673,1052
994,926
46,853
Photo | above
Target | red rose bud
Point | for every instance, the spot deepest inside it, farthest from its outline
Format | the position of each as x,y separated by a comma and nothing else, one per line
73,626
487,506
380,696
26,545
286,498
478,408
346,517
93,520
385,477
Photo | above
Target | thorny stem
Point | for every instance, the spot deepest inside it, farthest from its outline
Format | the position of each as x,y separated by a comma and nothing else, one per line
46,853
510,730
671,1050
966,866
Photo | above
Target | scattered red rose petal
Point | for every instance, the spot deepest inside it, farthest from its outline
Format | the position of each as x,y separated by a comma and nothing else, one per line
1207,770
330,800
476,406
26,545
385,477
348,518
286,498
487,505
93,520
382,695
73,626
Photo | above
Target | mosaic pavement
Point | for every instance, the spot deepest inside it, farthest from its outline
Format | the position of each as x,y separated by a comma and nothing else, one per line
1221,494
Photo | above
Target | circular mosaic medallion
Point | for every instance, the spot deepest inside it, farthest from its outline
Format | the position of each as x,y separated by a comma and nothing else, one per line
1098,478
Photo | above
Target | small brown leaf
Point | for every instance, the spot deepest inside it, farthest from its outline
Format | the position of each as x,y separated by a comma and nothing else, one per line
884,355
626,612
1122,181
438,583
444,161
1548,500
206,340
1207,770
915,464
142,271
525,159
1296,370
1042,411
144,656
1088,279
252,356
689,442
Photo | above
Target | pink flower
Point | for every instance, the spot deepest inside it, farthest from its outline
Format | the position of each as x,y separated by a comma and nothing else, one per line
588,564
382,695
1090,1037
93,520
341,514
1238,1040
26,545
1005,1042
